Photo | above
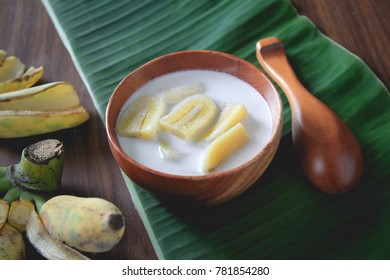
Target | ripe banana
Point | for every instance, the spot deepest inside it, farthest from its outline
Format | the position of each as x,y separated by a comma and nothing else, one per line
13,75
230,116
3,55
176,94
224,146
4,208
46,245
38,110
141,118
190,117
12,246
87,224
19,213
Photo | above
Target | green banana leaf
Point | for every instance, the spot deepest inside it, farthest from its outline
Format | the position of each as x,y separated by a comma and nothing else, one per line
282,216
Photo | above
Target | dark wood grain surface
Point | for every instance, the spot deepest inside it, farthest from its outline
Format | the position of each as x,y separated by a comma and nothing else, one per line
361,26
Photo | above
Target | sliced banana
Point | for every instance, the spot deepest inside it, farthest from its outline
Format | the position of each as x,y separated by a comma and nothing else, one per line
190,117
141,118
167,152
176,94
224,146
230,116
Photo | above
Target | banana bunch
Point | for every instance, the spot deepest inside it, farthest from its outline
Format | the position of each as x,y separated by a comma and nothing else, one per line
26,110
56,226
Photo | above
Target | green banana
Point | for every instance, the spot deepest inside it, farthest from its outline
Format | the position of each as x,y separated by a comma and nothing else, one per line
39,171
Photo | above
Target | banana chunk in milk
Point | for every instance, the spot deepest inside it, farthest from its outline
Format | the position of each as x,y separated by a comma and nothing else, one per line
190,117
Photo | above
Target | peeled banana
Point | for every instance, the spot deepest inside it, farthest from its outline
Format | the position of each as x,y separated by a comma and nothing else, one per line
141,118
87,224
230,116
167,152
224,146
178,93
190,117
12,246
46,245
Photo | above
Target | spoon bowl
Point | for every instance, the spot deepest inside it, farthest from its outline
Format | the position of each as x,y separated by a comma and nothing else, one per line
329,153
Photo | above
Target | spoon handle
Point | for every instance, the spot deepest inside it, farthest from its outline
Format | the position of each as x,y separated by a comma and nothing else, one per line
271,56
330,154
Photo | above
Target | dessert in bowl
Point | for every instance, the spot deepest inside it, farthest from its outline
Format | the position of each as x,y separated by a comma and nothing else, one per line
200,125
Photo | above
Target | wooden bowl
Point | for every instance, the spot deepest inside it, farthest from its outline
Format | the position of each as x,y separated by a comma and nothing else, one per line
211,188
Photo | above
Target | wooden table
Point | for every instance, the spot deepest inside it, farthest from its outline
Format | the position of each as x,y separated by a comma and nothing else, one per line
361,26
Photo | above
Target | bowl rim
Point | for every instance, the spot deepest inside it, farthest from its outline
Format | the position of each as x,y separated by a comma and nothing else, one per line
275,135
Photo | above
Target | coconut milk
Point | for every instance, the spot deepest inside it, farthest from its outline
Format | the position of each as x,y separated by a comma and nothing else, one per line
221,87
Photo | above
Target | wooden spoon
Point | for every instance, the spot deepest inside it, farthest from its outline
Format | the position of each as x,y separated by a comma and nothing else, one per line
330,155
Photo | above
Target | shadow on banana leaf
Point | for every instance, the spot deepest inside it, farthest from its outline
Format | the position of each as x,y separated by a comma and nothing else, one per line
282,216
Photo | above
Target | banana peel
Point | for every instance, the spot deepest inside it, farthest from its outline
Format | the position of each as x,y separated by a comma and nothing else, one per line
11,68
39,110
3,55
48,97
27,110
14,124
26,80
13,74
